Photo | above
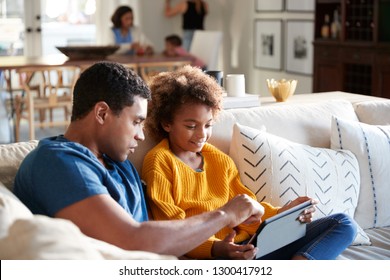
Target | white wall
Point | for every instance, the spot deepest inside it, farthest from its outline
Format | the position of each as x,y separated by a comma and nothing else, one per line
236,20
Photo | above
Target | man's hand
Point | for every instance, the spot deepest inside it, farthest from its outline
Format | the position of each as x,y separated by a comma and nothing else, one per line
243,209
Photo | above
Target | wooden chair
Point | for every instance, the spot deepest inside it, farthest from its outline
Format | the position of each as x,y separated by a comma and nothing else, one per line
44,90
149,69
207,46
132,66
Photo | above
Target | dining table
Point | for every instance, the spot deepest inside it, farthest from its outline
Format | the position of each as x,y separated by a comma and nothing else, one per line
9,65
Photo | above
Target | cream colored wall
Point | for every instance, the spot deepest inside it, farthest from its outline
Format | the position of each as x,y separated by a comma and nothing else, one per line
236,20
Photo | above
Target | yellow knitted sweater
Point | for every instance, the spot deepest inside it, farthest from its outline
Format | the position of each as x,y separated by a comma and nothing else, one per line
176,191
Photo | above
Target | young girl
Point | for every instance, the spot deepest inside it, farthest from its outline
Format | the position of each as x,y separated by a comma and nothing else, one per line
186,176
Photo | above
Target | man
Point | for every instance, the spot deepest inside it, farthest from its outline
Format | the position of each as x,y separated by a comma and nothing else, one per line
85,176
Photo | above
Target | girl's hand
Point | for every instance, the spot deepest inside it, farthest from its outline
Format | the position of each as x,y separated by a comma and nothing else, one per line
307,214
227,249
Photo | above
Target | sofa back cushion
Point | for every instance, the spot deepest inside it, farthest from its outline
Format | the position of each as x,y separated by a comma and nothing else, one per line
11,156
373,112
307,123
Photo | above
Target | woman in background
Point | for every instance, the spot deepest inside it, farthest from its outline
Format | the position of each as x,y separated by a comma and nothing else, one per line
193,12
130,38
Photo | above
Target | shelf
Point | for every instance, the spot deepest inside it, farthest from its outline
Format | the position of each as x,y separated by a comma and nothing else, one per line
359,20
359,60
323,9
249,100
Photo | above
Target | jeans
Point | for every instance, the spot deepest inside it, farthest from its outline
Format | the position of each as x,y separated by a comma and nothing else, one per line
325,239
188,34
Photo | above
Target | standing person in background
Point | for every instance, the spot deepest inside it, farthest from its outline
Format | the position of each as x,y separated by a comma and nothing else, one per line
194,13
130,38
173,47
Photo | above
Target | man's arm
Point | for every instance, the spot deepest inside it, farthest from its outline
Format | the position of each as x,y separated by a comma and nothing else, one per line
102,218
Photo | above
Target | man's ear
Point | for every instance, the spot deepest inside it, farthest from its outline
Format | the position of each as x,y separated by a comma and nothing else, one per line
101,110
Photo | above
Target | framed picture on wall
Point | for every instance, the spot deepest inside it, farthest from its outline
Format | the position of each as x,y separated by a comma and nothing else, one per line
268,44
300,5
299,48
268,6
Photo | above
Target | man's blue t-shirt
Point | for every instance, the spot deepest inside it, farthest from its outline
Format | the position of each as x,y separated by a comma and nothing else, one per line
59,173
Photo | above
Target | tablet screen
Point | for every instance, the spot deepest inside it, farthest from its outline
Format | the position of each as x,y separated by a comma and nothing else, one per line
280,230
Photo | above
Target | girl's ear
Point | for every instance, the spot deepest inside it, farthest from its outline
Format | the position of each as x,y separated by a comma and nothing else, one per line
166,126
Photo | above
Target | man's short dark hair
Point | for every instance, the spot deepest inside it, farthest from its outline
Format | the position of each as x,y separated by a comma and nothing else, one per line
110,82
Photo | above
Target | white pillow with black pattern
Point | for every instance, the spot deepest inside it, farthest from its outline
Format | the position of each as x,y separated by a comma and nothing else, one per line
278,171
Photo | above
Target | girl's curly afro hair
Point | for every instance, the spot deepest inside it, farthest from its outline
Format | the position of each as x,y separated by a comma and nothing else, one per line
170,90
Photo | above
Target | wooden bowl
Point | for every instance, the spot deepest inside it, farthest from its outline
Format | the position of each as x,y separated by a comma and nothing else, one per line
87,52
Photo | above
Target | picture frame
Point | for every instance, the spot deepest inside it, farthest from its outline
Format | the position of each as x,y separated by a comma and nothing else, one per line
268,44
269,6
299,54
300,5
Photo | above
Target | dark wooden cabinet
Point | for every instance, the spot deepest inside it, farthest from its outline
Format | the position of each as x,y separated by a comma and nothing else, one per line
327,69
382,72
355,58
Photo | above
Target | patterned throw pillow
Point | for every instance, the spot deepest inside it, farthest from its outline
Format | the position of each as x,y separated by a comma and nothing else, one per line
371,146
278,171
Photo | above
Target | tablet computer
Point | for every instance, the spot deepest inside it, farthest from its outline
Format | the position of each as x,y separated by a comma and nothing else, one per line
280,230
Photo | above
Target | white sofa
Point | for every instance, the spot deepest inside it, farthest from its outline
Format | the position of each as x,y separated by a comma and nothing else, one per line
298,132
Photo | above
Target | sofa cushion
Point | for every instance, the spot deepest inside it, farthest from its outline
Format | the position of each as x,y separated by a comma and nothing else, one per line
371,145
307,123
45,238
111,252
11,209
379,249
27,236
278,171
373,112
11,156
